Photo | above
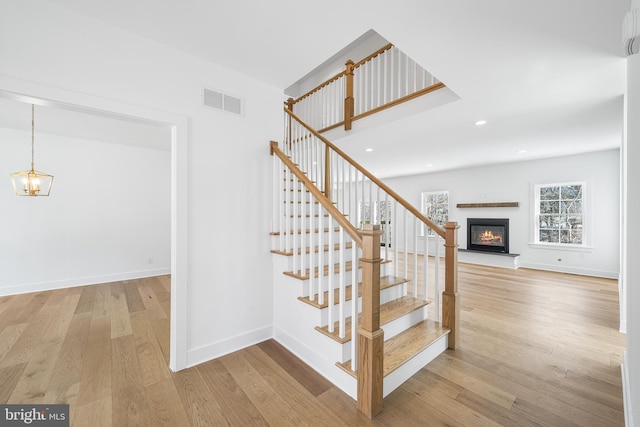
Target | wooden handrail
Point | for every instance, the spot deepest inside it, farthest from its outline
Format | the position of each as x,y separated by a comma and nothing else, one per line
373,55
398,101
342,73
439,230
320,86
324,201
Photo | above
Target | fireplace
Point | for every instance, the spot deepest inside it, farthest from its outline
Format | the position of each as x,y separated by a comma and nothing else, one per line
488,235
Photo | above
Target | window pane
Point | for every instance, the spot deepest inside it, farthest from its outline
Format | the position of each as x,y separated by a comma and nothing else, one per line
549,236
549,193
576,236
573,206
549,207
575,221
550,221
573,237
571,192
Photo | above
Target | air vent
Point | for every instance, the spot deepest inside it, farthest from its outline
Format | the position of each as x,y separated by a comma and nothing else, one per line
221,101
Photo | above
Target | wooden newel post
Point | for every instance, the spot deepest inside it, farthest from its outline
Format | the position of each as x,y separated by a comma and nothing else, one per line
370,336
289,103
348,100
450,297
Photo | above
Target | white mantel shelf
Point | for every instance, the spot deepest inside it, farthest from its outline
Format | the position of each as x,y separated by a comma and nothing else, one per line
492,259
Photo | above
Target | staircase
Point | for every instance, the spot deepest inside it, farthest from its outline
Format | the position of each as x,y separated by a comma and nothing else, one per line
358,271
324,266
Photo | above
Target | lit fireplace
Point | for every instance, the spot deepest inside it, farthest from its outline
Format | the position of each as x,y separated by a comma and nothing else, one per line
488,234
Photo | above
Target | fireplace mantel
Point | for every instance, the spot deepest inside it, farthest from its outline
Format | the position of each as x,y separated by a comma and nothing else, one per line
489,205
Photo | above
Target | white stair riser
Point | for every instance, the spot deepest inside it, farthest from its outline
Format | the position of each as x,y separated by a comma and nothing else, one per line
386,295
403,323
335,281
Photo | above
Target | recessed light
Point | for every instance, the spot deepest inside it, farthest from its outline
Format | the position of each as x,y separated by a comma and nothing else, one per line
522,151
480,123
368,150
429,165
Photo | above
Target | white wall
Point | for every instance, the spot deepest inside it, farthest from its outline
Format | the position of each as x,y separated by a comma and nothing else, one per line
96,226
631,270
513,183
229,266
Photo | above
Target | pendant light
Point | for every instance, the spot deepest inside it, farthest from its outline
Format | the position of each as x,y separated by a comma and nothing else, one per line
31,182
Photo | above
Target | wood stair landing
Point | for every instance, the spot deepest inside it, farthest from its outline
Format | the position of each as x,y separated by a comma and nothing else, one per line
404,346
385,282
388,312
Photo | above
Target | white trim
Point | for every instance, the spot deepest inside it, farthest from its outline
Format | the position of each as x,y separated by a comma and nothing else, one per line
43,94
81,281
571,270
220,348
561,247
626,392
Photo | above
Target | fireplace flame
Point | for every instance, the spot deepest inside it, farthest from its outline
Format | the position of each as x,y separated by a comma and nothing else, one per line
487,237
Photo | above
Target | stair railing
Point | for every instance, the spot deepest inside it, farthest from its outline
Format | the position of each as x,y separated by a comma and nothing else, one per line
405,240
383,79
373,216
311,230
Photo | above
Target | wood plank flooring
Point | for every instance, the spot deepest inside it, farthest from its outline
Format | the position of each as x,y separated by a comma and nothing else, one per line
538,349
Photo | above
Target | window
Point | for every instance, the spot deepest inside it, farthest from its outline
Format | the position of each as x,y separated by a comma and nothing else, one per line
559,214
435,206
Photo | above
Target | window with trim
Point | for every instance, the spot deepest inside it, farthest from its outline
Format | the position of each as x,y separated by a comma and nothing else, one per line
559,213
435,206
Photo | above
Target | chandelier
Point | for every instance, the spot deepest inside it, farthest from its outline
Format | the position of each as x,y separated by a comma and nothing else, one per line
31,182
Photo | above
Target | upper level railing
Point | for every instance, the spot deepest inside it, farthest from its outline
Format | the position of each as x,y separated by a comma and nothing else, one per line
383,79
354,199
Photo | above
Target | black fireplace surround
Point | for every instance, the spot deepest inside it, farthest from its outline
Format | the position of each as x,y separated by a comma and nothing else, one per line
488,235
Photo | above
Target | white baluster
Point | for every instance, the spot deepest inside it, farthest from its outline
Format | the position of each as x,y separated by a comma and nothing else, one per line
308,242
329,277
320,253
425,265
436,273
396,231
354,306
406,246
415,256
341,295
296,224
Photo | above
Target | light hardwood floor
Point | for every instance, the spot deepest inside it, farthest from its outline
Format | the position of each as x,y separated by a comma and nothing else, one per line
538,349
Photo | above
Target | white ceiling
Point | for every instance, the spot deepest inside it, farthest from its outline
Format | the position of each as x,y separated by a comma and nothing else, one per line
547,75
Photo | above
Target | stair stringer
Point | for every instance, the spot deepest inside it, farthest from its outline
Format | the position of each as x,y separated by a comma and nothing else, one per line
294,327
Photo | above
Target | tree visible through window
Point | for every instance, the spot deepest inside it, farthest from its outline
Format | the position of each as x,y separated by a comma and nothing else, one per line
435,206
559,213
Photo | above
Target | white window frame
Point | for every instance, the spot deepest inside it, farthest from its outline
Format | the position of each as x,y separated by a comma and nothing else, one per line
536,218
423,209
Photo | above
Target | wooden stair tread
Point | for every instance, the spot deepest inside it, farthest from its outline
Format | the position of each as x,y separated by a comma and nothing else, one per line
388,312
385,282
325,272
404,346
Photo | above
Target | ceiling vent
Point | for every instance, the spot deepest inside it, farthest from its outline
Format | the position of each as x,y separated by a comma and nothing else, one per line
220,101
